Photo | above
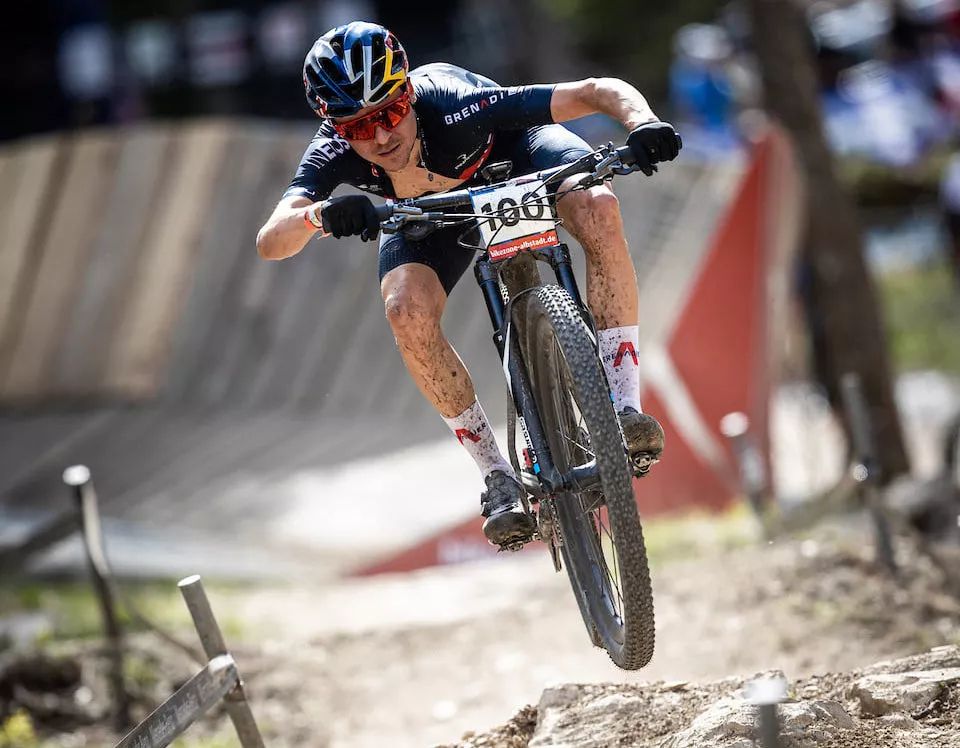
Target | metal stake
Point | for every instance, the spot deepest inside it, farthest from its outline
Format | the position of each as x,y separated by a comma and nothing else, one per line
78,478
753,474
766,694
194,698
213,645
866,470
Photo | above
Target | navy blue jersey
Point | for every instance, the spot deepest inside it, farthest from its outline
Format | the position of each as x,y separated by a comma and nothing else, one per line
459,115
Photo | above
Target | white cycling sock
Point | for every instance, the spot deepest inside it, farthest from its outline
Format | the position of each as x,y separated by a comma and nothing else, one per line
473,430
619,348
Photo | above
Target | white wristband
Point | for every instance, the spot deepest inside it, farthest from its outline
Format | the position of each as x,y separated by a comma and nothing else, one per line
311,219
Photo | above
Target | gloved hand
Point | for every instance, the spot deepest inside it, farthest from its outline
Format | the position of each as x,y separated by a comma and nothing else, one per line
350,215
652,143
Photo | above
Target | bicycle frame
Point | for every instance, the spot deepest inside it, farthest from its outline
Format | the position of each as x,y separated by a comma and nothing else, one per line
487,273
600,165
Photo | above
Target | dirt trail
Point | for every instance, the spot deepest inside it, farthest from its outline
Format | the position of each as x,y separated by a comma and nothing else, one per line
421,659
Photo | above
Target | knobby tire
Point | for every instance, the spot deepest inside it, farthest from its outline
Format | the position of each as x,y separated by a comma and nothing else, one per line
571,391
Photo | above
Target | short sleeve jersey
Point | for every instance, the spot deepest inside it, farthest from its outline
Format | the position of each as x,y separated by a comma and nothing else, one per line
459,116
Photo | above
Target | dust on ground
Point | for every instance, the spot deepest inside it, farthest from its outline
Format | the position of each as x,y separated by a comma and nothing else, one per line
425,658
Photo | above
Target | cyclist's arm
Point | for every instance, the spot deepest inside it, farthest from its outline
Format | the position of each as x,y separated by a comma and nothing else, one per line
610,96
286,232
326,163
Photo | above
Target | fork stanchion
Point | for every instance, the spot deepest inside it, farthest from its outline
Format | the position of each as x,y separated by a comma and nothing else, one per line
78,478
214,646
866,469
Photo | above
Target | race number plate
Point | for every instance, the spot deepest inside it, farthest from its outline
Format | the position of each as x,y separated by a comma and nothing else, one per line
521,219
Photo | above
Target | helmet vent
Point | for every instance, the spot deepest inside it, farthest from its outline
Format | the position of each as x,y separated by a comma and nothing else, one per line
330,69
356,58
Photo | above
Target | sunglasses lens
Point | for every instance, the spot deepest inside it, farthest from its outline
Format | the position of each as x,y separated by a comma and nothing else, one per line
365,129
396,112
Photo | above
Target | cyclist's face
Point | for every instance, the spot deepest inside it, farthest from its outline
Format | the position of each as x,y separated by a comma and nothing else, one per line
388,149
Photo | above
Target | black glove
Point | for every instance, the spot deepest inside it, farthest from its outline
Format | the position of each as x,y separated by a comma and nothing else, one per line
350,215
652,143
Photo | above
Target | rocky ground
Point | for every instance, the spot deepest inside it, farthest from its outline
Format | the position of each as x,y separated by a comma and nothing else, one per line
440,656
911,702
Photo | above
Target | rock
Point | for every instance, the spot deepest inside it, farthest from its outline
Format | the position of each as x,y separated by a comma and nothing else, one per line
569,717
732,724
812,722
900,721
558,696
908,692
938,658
729,723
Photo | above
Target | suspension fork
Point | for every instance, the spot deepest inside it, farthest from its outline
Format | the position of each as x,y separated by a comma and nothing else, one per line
558,258
519,382
487,276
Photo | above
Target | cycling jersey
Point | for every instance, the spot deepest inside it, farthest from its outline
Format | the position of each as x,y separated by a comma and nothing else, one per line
459,115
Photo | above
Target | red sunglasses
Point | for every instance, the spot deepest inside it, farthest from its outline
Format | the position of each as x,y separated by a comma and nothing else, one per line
388,117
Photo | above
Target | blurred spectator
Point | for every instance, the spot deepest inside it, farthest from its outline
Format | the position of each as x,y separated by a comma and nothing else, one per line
875,112
925,44
701,90
698,83
950,203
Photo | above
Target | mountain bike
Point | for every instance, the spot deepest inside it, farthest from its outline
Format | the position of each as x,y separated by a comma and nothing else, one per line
574,464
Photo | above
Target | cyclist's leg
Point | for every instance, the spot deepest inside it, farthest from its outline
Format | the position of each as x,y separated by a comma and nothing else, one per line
593,218
415,280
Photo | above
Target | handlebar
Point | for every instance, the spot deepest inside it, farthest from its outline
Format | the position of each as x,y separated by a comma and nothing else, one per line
600,165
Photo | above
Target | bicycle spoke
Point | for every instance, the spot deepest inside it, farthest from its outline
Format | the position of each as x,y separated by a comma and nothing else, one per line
613,552
597,542
614,582
596,527
616,557
578,445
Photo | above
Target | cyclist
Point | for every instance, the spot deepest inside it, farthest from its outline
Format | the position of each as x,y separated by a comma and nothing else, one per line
397,133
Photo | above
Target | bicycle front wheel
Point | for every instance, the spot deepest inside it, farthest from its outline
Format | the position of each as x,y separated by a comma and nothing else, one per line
602,540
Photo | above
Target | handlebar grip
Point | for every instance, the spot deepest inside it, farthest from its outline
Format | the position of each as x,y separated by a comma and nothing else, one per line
384,211
626,155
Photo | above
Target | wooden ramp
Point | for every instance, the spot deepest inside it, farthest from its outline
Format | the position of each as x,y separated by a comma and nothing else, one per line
141,334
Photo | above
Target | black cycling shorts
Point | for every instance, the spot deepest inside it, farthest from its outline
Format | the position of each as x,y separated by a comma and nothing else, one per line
531,150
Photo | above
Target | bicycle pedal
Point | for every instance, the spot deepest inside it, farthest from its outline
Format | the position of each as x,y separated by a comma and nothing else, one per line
513,547
641,462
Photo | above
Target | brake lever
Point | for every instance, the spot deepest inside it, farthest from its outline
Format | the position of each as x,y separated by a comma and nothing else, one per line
418,230
622,171
392,225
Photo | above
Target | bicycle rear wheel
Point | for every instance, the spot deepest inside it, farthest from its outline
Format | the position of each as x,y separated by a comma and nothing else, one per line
602,540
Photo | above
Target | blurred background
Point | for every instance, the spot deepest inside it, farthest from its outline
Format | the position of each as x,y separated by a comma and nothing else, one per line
252,421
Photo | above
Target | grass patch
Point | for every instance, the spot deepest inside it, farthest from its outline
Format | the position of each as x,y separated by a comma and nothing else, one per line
74,611
226,738
17,731
696,533
922,312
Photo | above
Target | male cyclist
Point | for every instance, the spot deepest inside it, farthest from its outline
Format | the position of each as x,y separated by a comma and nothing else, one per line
399,133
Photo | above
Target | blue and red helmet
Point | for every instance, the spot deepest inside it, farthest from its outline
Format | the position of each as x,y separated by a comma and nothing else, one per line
352,67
